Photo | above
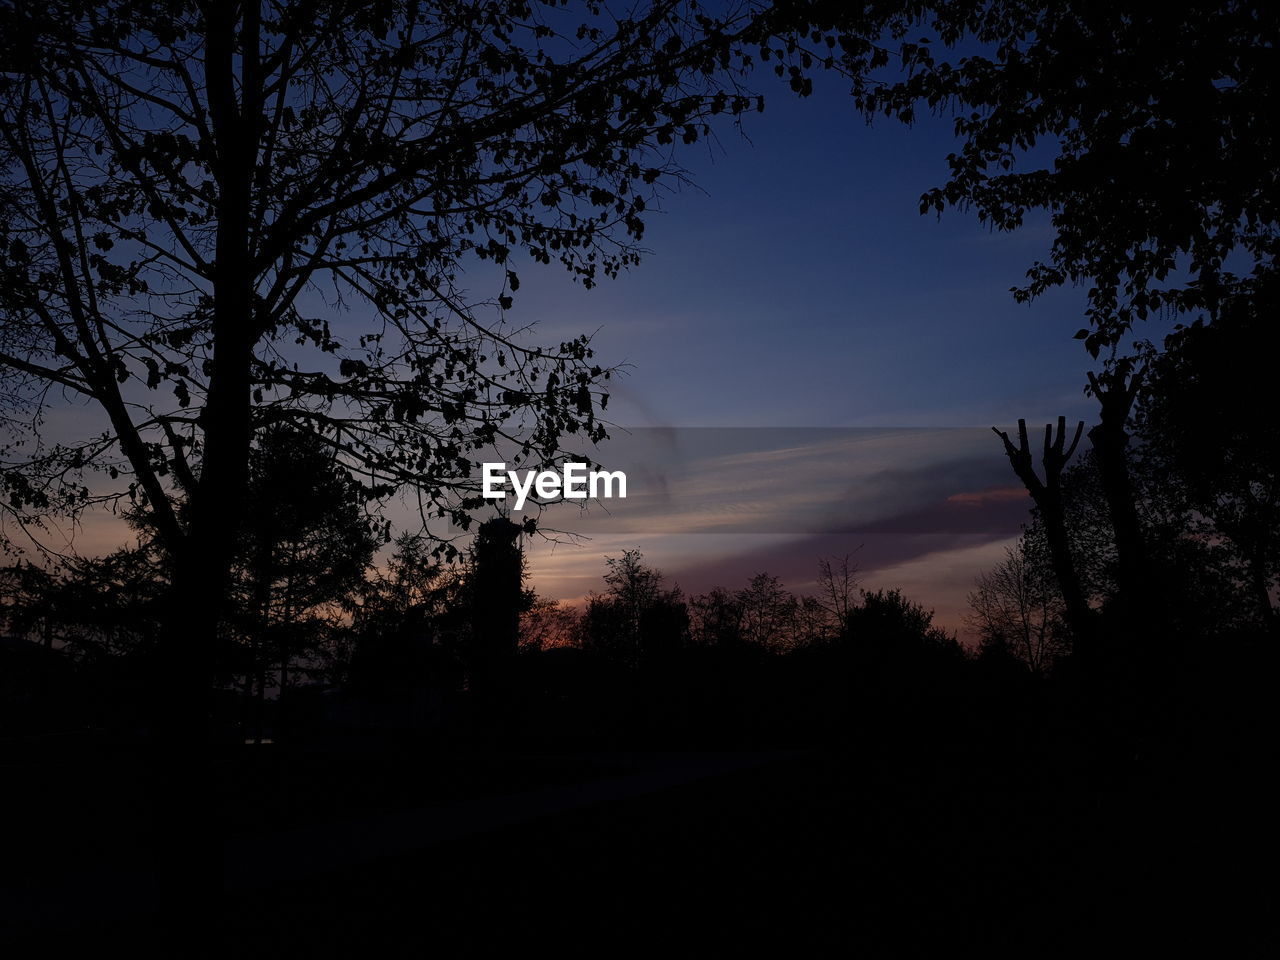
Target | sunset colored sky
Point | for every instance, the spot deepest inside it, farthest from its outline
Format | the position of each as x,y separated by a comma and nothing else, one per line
799,286
796,285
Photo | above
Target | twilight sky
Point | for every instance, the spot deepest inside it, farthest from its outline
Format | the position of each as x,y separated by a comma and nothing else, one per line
799,286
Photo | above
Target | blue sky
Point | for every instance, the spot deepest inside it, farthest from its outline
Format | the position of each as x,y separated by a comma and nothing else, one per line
800,286
797,285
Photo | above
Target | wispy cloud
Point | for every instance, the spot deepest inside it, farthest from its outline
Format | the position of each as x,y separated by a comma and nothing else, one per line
800,481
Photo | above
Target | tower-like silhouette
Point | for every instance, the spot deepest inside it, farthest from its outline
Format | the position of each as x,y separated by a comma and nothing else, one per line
496,597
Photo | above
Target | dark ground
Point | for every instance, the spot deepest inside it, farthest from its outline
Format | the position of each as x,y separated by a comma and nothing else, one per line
806,856
805,853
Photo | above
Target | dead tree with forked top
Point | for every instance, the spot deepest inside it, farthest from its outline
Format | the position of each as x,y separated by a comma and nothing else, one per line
1047,495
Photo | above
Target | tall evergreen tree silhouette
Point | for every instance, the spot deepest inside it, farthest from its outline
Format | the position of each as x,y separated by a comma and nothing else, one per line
306,543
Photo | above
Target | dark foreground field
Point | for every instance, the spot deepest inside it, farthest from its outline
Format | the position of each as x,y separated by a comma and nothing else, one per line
789,852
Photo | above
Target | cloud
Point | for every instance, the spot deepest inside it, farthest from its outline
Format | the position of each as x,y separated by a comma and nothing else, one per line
978,498
798,481
715,507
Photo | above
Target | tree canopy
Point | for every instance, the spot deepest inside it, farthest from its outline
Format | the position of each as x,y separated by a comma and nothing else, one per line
1145,132
196,194
220,217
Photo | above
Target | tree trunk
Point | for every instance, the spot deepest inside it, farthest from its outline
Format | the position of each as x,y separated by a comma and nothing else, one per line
1138,619
1079,616
1258,582
1111,443
191,854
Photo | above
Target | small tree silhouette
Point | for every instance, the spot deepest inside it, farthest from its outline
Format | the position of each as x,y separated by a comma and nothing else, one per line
769,613
637,620
1016,607
838,588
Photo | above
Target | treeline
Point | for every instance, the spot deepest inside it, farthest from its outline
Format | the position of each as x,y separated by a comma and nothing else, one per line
304,586
393,637
638,618
321,632
318,626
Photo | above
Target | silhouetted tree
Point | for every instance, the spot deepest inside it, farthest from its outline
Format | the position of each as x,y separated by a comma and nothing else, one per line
637,620
410,626
548,624
26,609
715,619
96,609
763,615
1153,125
1206,428
814,623
1116,391
1195,577
1048,498
305,544
1016,607
193,191
1154,161
769,613
104,616
891,627
838,588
